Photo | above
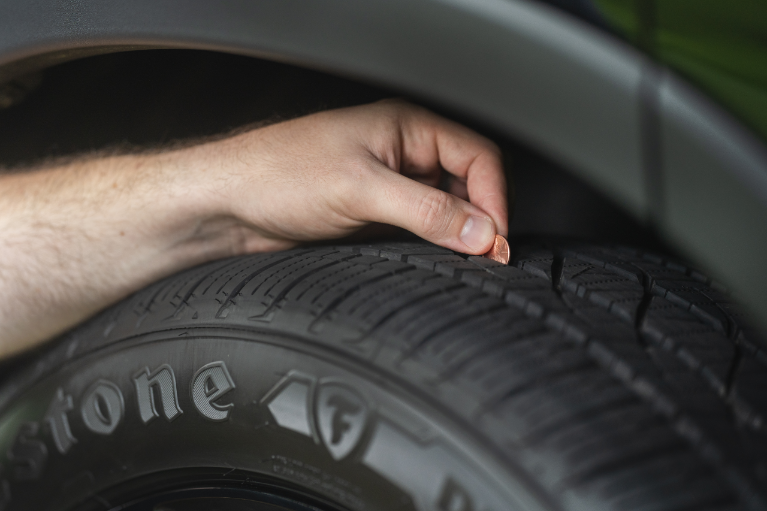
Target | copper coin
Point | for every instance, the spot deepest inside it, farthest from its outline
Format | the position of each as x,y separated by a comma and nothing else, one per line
500,250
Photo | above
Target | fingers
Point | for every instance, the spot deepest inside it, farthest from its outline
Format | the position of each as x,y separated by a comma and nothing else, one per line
432,141
430,213
458,188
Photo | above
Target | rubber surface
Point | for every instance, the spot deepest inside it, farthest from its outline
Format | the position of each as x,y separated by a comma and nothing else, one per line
595,377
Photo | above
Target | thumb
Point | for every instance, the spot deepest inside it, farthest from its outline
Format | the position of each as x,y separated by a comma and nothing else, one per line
430,213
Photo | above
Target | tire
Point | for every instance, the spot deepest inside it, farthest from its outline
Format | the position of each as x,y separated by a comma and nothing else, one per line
398,376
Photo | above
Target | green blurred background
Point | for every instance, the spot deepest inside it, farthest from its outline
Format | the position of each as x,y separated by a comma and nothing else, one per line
721,45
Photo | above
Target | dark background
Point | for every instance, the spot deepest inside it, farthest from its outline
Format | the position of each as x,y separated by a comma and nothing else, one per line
151,98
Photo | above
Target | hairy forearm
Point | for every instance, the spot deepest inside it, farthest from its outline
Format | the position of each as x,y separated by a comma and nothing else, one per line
76,237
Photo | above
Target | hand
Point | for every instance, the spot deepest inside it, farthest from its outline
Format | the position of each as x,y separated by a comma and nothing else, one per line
77,237
329,174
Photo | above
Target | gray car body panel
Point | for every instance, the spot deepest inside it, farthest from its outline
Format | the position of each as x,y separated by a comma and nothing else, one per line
540,75
714,191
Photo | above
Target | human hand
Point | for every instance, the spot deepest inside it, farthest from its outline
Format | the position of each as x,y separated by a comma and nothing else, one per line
329,174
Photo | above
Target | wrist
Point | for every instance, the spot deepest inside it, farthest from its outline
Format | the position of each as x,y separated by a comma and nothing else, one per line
205,188
180,214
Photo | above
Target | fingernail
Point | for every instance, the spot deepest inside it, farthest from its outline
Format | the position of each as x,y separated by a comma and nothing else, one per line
477,232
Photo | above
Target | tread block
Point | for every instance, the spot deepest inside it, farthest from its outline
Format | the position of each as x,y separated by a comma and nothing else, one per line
397,254
539,266
427,262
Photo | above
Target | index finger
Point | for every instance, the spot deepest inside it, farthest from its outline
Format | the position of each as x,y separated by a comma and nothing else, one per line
429,139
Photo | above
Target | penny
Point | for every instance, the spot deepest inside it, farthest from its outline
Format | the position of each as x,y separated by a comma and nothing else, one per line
499,251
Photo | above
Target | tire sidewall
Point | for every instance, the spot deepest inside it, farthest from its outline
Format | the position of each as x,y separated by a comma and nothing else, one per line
275,408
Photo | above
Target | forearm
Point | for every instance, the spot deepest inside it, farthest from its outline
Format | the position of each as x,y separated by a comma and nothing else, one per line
80,236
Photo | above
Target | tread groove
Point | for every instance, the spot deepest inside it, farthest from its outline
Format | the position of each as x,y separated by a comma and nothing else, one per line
244,282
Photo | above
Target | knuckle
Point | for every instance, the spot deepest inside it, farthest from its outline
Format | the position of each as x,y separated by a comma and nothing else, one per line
434,213
494,149
490,152
397,109
395,103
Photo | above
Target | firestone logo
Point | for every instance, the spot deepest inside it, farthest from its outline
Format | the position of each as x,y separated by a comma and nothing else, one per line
331,413
328,411
102,409
334,414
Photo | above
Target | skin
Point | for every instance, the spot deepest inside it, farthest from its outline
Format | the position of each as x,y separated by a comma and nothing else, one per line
77,237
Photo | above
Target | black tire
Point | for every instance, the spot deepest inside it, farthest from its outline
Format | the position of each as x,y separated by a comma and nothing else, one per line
398,376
